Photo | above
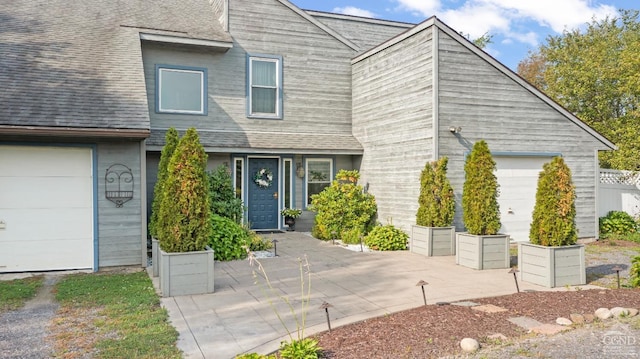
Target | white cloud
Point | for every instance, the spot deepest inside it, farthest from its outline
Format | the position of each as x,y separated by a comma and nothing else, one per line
510,19
351,10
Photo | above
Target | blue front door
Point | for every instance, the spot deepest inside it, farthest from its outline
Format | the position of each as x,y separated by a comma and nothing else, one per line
263,193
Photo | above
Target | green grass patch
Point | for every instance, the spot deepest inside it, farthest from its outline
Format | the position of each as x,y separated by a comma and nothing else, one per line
14,293
133,324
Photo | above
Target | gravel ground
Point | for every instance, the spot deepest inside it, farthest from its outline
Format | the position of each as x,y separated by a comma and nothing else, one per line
23,331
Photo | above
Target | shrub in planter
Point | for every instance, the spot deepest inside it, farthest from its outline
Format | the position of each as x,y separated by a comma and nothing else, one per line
223,197
171,141
617,223
436,200
183,223
386,238
481,212
228,239
342,206
555,211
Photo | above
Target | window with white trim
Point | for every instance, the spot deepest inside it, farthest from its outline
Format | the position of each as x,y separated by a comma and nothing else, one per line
319,173
181,90
264,86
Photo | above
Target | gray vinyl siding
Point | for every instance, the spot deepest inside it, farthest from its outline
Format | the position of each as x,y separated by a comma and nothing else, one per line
489,105
393,119
119,229
316,74
361,32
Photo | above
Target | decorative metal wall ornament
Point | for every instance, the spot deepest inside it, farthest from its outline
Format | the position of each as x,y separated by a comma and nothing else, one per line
118,184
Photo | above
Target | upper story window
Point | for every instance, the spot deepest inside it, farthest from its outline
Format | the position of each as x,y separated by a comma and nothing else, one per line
264,86
181,89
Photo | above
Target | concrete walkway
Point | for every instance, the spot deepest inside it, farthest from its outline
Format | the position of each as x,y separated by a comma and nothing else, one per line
238,318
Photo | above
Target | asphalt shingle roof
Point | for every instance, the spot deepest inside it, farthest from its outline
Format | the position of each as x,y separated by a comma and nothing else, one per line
78,63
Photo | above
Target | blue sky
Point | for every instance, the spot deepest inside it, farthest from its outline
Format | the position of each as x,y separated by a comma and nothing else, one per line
517,26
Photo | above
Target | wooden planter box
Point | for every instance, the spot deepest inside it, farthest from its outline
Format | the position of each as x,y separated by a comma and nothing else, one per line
433,241
186,273
155,257
482,252
552,266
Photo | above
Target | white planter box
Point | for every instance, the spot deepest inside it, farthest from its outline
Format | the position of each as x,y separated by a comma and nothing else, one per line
433,241
186,273
482,252
552,266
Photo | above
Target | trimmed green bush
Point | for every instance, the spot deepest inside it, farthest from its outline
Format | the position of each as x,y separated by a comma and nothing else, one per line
617,223
634,272
183,223
480,209
555,211
171,141
223,197
343,206
436,202
228,239
386,238
351,236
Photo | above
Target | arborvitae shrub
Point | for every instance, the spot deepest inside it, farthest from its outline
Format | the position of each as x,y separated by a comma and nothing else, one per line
555,210
223,197
171,141
481,212
184,217
436,201
343,206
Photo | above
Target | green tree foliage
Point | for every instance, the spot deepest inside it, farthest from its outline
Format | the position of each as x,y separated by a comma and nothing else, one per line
436,201
183,219
386,238
223,197
171,141
480,209
594,74
342,206
228,239
555,210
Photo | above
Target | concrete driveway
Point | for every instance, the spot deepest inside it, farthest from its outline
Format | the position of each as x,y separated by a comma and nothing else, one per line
239,318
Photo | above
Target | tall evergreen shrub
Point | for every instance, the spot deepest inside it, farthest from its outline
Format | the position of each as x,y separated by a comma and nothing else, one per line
223,197
481,212
555,211
171,141
436,201
185,210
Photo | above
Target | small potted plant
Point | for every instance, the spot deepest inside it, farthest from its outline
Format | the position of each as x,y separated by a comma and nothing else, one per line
553,259
481,247
290,215
433,234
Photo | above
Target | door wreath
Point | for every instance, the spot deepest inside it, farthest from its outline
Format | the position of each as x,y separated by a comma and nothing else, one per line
263,178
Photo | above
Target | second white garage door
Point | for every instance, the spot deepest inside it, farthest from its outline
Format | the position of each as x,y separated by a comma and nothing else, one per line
46,207
518,179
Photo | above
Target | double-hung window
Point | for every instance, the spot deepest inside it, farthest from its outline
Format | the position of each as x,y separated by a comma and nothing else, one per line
264,86
181,89
319,173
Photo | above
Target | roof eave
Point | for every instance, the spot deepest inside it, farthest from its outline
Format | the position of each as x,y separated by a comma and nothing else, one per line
218,45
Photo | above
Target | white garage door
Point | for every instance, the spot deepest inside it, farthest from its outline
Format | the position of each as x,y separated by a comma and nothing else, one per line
46,208
518,179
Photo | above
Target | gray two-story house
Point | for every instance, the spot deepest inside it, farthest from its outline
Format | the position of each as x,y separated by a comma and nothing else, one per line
283,97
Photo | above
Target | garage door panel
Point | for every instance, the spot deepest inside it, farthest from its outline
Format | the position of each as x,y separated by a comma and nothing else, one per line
45,161
58,256
27,224
46,201
46,192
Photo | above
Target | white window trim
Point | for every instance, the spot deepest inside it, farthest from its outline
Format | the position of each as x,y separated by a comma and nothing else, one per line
278,106
203,97
291,187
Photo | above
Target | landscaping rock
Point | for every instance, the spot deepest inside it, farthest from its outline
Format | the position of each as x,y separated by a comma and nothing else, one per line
618,312
603,313
577,318
632,312
564,321
589,318
469,345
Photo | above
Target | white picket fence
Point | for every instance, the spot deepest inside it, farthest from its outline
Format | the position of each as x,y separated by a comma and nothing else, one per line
619,191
